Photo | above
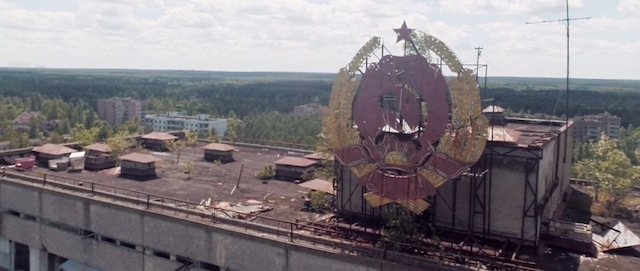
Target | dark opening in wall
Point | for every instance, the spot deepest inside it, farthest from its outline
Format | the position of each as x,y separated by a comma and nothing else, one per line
127,245
209,266
108,240
162,255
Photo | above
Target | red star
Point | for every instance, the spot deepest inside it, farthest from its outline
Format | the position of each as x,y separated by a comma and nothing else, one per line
404,33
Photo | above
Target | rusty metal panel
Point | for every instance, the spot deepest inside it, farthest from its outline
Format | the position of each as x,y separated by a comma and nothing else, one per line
502,134
615,237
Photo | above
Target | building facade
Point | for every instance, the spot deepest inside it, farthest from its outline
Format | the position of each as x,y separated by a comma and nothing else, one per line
593,126
312,108
117,111
509,194
175,121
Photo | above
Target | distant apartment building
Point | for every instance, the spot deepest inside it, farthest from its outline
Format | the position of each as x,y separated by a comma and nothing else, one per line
312,108
175,121
592,126
22,123
117,111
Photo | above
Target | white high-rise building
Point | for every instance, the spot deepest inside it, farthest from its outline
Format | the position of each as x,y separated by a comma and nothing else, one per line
175,121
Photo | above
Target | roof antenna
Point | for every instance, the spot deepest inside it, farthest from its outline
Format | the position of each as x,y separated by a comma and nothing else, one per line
479,49
566,20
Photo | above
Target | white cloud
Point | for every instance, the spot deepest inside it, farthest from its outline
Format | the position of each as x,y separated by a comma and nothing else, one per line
305,35
629,6
476,7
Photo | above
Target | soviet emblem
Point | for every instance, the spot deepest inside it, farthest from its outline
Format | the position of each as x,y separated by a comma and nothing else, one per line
394,127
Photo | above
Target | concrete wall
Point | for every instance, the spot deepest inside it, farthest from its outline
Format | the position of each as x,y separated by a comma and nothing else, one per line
508,198
564,171
503,213
111,236
5,254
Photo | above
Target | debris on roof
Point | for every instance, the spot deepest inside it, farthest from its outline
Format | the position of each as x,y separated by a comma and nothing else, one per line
319,156
493,109
615,237
502,134
238,210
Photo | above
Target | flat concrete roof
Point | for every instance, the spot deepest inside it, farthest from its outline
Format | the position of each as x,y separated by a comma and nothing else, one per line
159,136
210,180
528,132
53,149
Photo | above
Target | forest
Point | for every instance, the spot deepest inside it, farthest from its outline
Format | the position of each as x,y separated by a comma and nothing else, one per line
261,102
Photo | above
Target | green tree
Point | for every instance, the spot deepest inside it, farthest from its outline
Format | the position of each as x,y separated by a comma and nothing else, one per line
319,201
17,140
104,130
266,173
233,127
629,143
90,118
34,130
132,127
327,171
191,138
175,146
610,169
188,168
119,144
83,135
400,228
213,135
56,138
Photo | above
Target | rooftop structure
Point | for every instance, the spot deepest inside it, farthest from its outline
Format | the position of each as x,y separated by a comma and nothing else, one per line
495,114
50,151
312,108
294,168
138,165
157,140
22,122
207,181
159,136
523,164
25,118
117,111
175,121
98,157
218,152
593,126
98,147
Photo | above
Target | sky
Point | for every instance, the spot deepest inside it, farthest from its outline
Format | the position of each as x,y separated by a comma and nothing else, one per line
317,35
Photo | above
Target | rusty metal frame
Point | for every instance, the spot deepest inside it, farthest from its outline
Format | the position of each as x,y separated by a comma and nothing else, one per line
529,206
478,196
550,190
512,149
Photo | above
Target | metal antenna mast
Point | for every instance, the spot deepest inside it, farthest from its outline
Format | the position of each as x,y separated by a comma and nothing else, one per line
479,49
566,20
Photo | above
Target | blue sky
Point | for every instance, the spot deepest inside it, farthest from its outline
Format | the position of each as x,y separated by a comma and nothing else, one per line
316,35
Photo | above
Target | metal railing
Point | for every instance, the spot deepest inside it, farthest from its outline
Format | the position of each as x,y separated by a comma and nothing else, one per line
291,231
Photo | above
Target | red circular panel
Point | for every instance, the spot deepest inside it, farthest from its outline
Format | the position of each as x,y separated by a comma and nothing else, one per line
400,111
